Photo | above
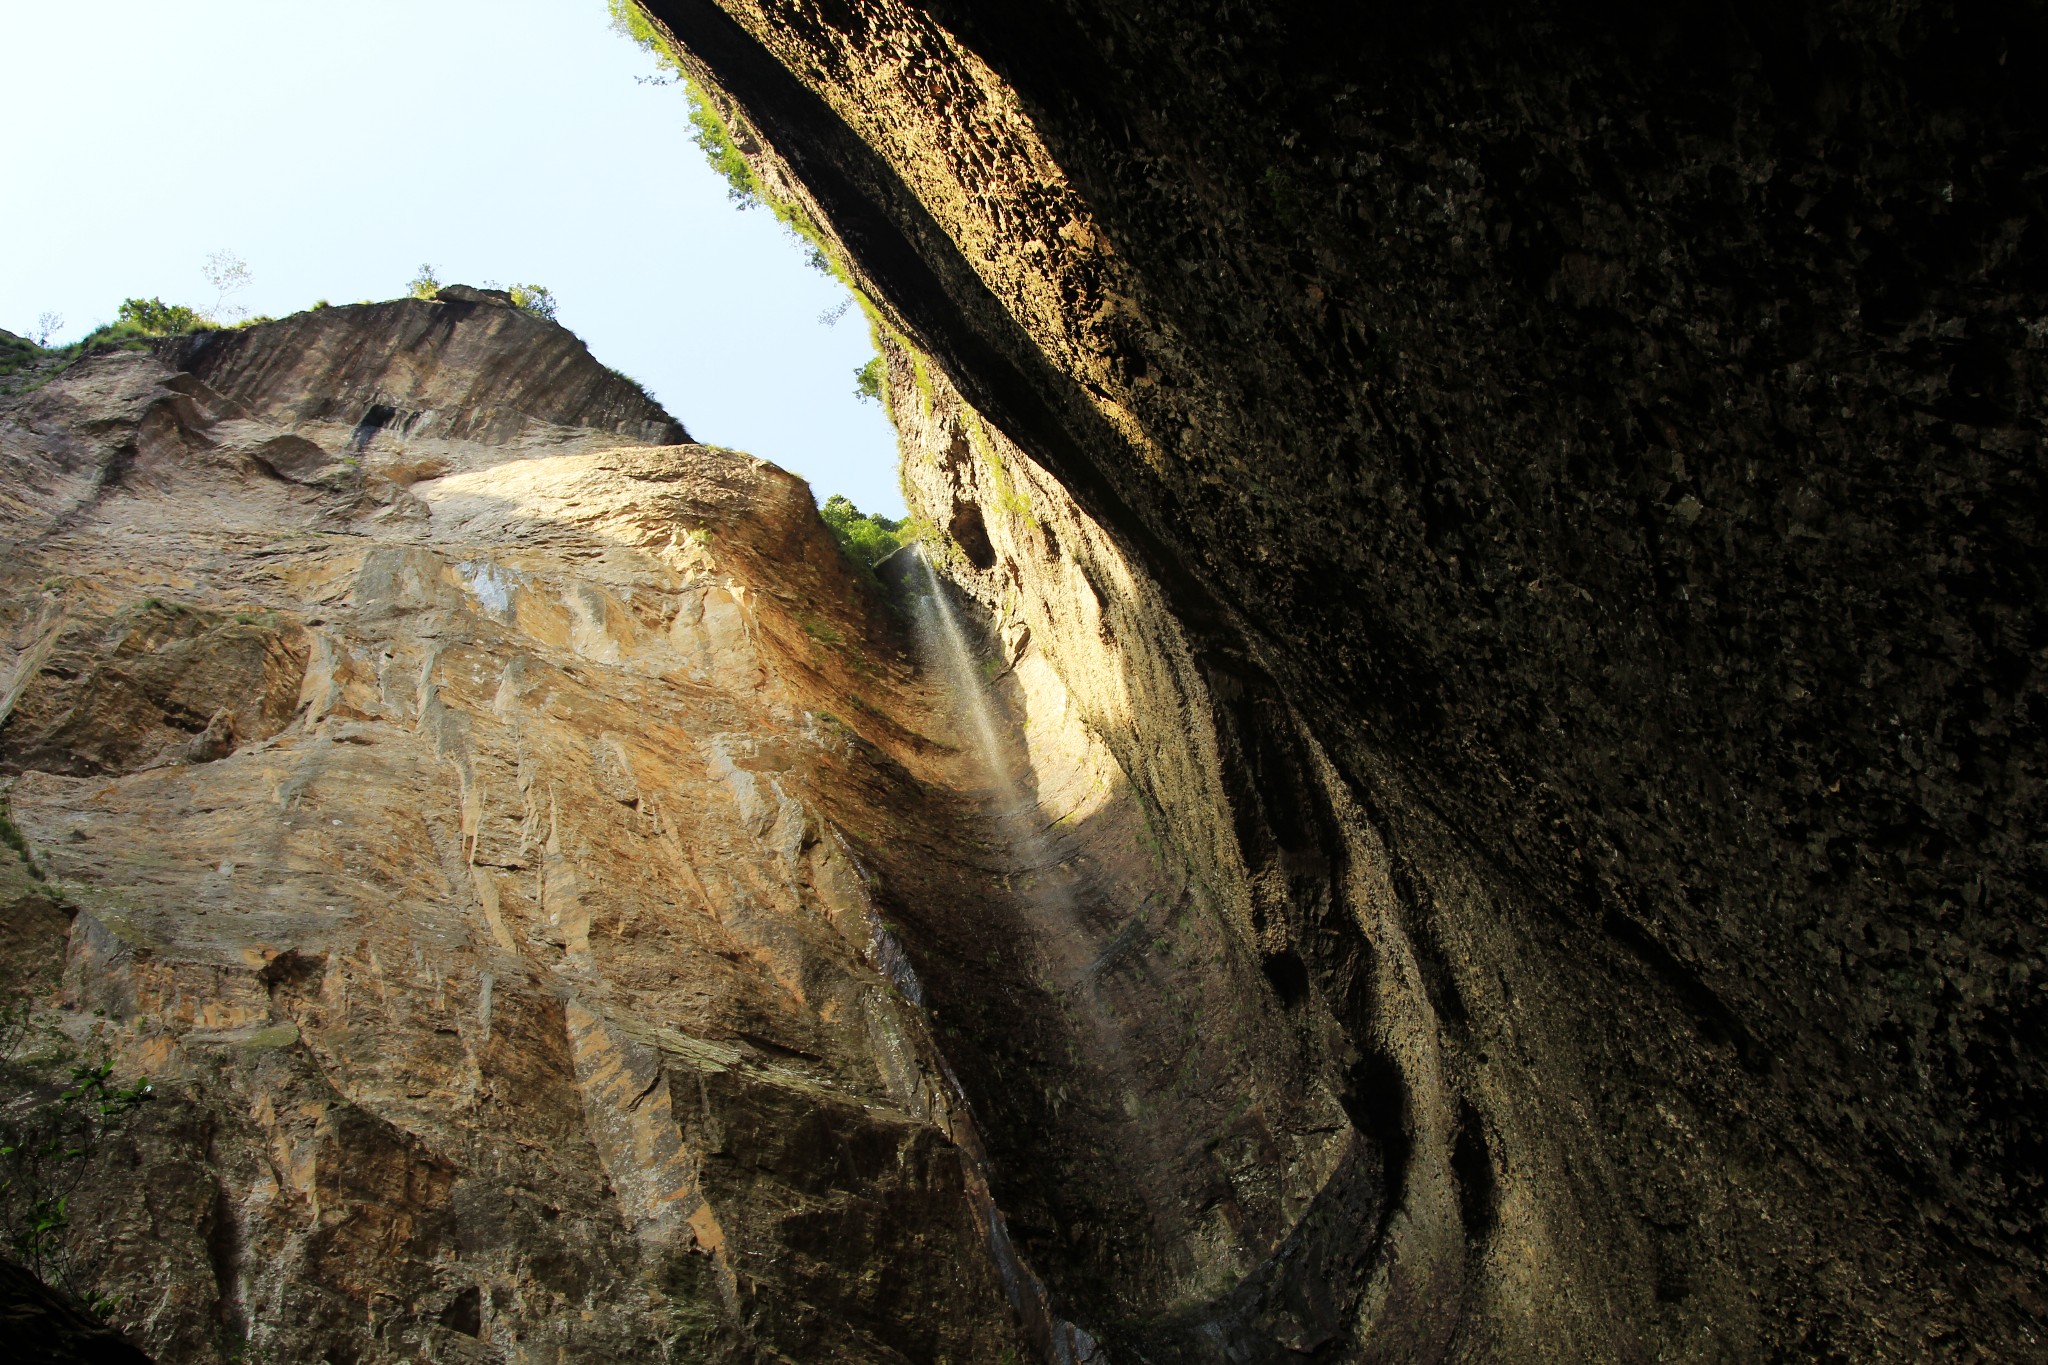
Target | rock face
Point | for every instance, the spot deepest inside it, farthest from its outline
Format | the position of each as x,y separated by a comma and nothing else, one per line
1546,507
468,372
485,827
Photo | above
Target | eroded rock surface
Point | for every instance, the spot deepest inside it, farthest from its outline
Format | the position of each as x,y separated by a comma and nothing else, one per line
486,853
1572,479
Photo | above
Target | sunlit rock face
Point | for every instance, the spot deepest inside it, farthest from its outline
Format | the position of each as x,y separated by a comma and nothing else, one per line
466,375
482,833
1545,507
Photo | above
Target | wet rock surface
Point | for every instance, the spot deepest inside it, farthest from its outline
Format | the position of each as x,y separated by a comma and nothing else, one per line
1589,465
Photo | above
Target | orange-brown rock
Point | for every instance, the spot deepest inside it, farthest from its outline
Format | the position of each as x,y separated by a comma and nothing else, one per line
480,848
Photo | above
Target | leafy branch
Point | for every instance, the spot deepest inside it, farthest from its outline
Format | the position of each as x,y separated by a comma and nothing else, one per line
47,1148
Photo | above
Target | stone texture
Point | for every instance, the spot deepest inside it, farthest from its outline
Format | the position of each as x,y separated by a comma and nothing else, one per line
487,862
421,382
1590,463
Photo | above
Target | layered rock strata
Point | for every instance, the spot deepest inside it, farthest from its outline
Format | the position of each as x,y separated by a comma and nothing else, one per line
498,838
1565,484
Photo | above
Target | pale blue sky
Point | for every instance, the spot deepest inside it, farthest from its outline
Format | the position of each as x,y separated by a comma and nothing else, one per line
335,148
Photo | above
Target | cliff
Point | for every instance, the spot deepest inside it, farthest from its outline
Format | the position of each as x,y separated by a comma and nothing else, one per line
484,827
1543,505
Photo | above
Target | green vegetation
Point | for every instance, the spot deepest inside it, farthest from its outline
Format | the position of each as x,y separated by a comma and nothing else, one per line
867,380
535,299
921,377
11,837
629,21
714,137
867,540
18,353
138,324
51,1133
157,318
622,375
1007,496
819,629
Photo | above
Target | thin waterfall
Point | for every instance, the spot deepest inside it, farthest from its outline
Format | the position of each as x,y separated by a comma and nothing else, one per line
1038,878
958,660
971,694
1063,1342
1042,884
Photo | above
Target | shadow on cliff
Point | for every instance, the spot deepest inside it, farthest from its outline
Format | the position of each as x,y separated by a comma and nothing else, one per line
1139,1067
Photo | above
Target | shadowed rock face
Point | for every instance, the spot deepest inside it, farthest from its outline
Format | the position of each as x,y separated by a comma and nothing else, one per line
44,1325
1546,506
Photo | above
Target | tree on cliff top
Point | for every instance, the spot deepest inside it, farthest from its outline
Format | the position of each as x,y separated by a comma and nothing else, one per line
535,299
228,274
868,380
154,317
867,539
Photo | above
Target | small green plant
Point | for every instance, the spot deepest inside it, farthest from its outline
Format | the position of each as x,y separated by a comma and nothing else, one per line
628,21
921,376
714,137
867,380
11,836
535,299
1007,496
867,539
425,285
819,629
48,1145
154,317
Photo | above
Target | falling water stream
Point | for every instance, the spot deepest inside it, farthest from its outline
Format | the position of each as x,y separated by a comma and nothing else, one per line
1063,1342
1039,879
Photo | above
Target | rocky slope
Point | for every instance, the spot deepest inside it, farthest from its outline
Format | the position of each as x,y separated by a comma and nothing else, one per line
505,842
1546,505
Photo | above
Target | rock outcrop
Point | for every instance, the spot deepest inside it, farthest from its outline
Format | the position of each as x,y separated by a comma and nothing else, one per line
492,832
44,1326
1545,504
468,373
